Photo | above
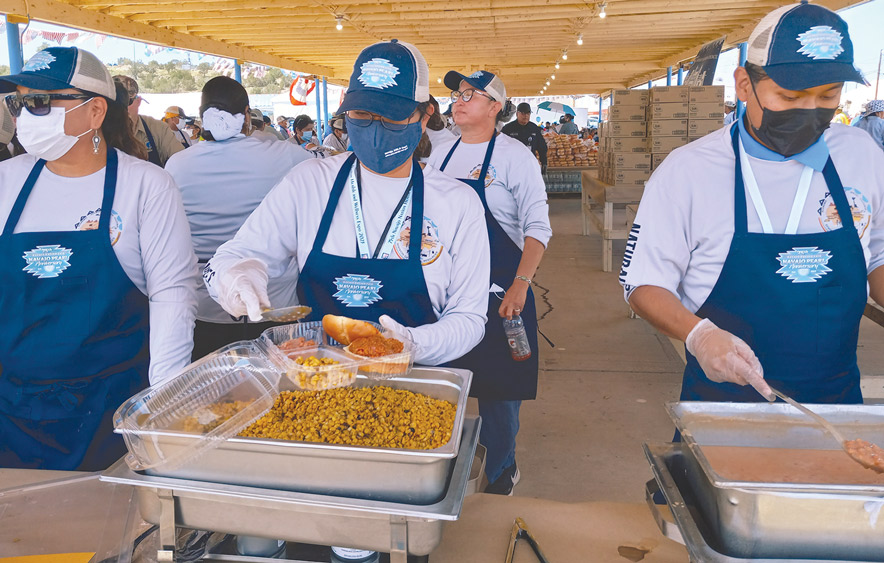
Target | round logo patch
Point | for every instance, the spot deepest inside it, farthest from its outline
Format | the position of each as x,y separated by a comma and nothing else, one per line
859,206
89,222
431,246
490,176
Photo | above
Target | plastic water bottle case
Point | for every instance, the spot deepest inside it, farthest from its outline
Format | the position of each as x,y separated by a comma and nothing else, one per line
517,338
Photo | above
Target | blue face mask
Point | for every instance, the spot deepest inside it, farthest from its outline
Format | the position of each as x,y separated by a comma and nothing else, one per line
380,149
307,136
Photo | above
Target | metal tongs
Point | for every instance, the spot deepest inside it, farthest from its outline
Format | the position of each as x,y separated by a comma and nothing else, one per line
286,314
519,531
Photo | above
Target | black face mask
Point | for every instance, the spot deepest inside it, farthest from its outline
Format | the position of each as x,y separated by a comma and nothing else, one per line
789,132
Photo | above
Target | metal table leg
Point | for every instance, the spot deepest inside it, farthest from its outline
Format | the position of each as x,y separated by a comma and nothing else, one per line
166,553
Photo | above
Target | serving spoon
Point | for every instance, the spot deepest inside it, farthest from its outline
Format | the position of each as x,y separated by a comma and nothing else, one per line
865,453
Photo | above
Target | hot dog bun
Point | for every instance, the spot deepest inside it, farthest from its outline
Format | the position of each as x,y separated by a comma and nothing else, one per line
345,330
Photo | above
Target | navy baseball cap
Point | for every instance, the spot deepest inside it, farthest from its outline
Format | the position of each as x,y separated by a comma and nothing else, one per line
58,68
483,80
389,79
802,46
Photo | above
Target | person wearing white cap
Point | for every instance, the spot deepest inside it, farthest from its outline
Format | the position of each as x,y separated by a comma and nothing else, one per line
730,112
175,119
376,236
97,273
222,180
258,130
757,243
7,132
158,140
872,122
507,178
337,140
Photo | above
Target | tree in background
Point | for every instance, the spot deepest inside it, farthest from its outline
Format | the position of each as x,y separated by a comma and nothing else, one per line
180,76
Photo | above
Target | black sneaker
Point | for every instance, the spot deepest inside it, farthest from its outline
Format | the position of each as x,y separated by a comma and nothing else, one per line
505,483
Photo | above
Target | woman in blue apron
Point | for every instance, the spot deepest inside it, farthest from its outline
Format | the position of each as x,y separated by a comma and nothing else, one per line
785,309
74,344
500,382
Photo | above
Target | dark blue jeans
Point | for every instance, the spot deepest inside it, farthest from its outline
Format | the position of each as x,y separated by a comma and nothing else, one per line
500,424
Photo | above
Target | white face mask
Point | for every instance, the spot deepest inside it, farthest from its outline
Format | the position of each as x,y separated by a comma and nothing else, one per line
43,136
221,124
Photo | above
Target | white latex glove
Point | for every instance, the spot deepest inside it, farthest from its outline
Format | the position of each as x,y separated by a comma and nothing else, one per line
399,331
724,357
242,289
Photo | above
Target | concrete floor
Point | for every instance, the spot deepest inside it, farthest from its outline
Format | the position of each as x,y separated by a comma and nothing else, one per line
603,386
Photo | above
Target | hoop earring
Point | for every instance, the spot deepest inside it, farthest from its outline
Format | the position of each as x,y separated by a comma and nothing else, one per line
96,141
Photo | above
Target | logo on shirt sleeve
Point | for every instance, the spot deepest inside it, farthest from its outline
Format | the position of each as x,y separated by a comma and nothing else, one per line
47,261
804,264
357,290
860,207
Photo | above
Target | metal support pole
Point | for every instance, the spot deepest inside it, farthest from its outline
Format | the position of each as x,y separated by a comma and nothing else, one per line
318,124
600,108
680,76
669,76
878,77
237,71
13,43
744,51
650,84
326,129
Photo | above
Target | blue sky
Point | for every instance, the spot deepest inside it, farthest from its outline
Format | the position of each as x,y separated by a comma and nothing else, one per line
865,23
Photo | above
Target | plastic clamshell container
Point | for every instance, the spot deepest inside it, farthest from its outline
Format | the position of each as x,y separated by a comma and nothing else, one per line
386,367
276,337
214,398
383,367
317,378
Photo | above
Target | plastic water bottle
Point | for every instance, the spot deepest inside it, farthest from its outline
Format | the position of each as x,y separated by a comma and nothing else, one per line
517,338
350,555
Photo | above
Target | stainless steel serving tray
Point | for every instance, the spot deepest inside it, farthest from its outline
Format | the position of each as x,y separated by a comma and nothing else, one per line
303,517
671,477
782,520
395,475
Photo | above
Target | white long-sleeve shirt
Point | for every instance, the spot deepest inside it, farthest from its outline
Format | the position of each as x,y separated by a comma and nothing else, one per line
221,183
455,254
514,186
149,233
685,223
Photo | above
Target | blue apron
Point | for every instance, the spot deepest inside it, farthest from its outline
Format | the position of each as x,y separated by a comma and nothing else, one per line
73,342
803,324
496,375
153,154
366,288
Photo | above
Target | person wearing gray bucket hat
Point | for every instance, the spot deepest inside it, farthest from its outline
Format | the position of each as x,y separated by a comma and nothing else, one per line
760,243
376,236
97,272
872,121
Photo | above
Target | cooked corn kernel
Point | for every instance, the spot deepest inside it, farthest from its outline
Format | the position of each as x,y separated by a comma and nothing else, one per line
369,416
316,374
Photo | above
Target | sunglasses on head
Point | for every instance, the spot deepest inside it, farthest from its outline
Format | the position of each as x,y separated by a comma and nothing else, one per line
38,104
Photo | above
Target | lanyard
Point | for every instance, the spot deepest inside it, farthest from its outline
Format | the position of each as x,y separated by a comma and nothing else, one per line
755,195
394,225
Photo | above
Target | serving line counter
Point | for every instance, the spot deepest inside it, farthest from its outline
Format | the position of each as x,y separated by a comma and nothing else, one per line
43,512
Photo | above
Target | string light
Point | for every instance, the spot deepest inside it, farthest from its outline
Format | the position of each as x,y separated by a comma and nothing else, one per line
340,22
439,80
557,65
564,55
602,13
547,82
580,39
553,76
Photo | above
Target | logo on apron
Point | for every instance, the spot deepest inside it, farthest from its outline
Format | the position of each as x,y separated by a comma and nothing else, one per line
805,264
47,261
356,290
820,42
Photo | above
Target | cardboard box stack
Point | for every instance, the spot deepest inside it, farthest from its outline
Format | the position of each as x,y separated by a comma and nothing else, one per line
624,159
678,115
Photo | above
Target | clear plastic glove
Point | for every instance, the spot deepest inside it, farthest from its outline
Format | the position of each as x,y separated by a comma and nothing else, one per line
242,289
724,357
399,331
